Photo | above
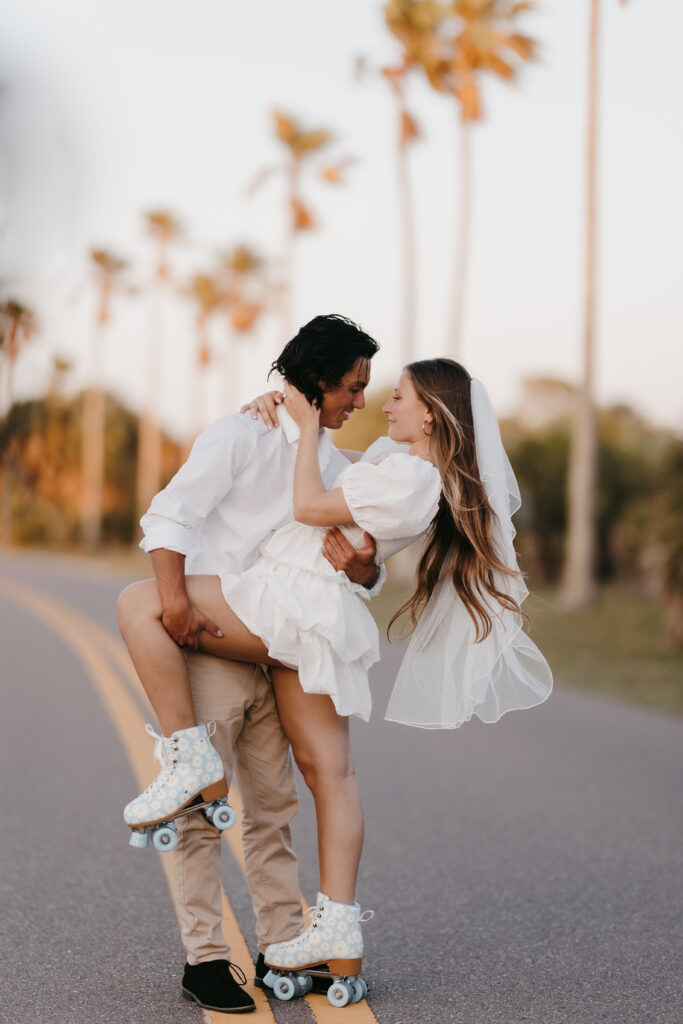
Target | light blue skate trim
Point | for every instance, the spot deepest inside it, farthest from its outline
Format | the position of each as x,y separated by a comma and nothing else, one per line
140,840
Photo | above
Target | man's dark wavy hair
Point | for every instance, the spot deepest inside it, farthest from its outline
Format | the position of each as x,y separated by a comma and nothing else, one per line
321,353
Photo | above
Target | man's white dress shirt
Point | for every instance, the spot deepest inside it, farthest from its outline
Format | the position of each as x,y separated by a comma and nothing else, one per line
234,490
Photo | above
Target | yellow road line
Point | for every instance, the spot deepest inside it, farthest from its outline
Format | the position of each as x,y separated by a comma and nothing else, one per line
75,628
86,637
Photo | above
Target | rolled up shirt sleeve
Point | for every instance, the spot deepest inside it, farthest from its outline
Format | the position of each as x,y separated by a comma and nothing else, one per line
174,519
369,592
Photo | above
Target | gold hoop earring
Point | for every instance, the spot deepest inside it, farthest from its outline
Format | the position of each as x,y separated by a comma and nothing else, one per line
424,431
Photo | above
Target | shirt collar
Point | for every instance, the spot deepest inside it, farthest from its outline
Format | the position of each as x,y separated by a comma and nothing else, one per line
290,428
292,435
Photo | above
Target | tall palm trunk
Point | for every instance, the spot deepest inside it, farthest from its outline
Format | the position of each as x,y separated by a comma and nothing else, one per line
579,576
9,367
231,374
149,431
288,258
93,447
198,395
462,244
409,258
8,455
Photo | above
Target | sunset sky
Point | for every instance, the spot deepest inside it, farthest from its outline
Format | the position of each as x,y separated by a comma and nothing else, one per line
110,109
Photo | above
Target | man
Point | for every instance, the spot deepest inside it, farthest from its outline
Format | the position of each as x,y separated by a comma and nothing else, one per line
234,490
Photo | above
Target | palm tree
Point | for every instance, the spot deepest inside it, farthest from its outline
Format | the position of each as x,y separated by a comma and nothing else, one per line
580,587
300,145
454,43
408,132
164,230
244,298
60,368
108,269
203,289
17,326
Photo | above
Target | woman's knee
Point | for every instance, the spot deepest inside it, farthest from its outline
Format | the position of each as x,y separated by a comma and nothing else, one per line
322,772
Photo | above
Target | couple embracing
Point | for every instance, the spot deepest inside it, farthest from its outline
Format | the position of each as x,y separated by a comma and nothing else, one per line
256,635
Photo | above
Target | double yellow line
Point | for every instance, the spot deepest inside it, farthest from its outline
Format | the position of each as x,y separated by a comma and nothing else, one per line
91,642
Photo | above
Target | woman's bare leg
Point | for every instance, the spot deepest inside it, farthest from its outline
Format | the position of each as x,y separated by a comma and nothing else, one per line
160,662
320,743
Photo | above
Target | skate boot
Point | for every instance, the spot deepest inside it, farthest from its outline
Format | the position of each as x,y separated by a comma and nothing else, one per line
334,937
191,779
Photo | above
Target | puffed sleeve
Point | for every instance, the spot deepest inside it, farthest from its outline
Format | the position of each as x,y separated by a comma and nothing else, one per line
380,449
397,498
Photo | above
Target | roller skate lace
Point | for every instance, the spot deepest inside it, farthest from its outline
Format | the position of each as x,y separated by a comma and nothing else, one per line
316,914
165,748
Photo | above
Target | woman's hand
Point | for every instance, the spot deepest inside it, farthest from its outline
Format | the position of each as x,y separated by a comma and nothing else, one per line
265,406
300,409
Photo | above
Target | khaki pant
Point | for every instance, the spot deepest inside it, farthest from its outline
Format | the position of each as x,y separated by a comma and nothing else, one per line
252,743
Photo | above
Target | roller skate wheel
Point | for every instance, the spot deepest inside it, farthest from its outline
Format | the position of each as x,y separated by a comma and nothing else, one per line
140,840
165,839
284,989
223,817
305,983
340,993
360,990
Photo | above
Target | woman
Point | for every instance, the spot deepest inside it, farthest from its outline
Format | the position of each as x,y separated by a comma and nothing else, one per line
292,611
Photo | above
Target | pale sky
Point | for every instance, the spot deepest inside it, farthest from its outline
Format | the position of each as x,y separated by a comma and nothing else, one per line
115,108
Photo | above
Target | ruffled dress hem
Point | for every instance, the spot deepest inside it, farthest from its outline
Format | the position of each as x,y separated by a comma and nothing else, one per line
331,641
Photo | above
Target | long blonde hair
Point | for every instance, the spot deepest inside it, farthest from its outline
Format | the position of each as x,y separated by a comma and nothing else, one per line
459,540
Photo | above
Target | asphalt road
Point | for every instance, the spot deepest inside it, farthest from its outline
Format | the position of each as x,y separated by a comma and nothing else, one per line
528,871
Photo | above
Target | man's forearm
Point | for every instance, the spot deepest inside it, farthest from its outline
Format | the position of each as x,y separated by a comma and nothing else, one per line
169,569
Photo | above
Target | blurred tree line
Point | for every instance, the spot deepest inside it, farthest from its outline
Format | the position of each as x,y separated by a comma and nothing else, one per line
41,479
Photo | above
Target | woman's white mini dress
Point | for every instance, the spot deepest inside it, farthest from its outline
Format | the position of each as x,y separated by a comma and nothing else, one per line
315,619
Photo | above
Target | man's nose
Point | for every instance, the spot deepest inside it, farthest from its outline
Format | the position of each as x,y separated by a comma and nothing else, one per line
359,400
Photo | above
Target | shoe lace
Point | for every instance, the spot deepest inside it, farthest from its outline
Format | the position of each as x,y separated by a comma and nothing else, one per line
316,914
240,976
165,748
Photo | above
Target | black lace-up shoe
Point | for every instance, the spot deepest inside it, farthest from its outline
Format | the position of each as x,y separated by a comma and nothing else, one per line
321,980
212,985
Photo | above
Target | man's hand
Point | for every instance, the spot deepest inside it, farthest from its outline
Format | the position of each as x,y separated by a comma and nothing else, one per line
265,406
358,563
183,623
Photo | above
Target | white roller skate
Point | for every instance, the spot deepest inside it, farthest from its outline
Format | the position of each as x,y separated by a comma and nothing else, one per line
191,779
333,937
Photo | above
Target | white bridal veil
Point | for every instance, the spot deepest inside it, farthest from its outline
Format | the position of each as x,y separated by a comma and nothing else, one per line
446,677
